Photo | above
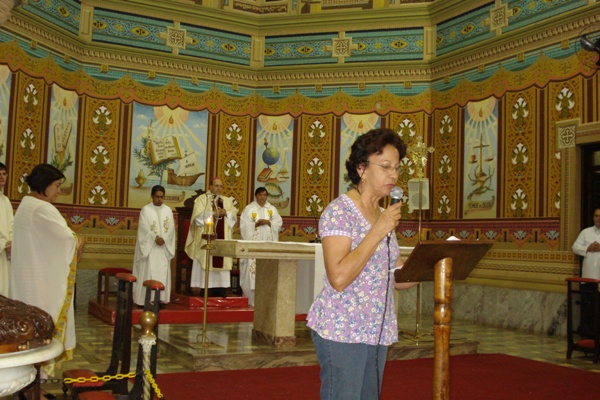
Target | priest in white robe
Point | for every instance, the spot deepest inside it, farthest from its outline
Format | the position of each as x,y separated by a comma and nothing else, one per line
222,214
6,228
154,247
587,246
45,252
259,221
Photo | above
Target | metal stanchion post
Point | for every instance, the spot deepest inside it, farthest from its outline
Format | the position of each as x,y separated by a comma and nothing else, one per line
147,340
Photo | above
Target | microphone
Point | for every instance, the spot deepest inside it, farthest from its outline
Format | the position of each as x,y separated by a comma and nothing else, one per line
396,194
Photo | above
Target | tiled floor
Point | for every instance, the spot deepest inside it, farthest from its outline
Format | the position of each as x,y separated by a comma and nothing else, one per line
94,341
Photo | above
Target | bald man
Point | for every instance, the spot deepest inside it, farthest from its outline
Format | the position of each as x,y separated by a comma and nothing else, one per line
211,204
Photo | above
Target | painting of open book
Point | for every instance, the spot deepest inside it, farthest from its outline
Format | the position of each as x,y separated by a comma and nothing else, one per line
168,149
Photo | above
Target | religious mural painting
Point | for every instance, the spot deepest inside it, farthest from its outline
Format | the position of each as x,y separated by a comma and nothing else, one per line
480,188
317,163
353,125
274,149
446,170
29,116
5,80
62,138
168,148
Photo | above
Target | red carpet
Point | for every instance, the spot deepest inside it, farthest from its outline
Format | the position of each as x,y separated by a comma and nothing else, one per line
472,377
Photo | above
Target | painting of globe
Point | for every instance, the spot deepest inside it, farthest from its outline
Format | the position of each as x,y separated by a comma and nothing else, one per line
270,156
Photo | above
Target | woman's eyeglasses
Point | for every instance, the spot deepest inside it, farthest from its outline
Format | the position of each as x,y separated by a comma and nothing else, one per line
389,168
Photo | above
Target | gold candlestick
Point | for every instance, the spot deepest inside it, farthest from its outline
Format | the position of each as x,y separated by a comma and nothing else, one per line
210,227
209,236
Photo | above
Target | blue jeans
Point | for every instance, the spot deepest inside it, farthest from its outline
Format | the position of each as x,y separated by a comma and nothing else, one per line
349,370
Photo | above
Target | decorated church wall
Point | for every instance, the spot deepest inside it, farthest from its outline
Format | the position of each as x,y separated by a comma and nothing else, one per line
494,168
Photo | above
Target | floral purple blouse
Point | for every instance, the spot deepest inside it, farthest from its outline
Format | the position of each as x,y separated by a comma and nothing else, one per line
355,314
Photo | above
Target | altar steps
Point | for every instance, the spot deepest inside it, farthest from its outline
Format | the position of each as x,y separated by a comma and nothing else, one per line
187,310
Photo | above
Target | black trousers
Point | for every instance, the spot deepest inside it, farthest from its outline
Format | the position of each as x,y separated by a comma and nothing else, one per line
214,292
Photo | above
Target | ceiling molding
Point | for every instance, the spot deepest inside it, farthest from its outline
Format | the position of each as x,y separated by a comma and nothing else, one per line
501,48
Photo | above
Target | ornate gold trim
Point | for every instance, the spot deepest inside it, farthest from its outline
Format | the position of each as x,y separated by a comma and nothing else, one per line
502,48
566,131
566,270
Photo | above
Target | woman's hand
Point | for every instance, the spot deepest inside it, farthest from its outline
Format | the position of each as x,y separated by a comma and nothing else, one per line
388,220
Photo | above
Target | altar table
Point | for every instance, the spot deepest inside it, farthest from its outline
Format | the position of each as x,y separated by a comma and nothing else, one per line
277,272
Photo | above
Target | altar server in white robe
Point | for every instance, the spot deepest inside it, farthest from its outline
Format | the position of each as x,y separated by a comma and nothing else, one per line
45,252
222,214
154,247
259,221
6,228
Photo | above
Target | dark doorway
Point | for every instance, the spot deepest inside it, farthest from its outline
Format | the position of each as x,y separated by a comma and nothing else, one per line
590,201
590,183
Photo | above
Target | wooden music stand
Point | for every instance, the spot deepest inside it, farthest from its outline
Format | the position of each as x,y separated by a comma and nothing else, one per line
442,262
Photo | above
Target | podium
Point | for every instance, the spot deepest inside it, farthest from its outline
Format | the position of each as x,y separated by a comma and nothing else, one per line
442,262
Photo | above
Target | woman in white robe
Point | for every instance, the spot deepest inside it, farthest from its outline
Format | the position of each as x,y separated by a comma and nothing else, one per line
6,228
44,257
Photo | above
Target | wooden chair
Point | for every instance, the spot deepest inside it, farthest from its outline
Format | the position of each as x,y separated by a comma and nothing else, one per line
136,392
103,290
183,263
120,359
587,289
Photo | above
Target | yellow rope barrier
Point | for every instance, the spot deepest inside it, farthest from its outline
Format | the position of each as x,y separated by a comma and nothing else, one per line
104,378
107,378
154,384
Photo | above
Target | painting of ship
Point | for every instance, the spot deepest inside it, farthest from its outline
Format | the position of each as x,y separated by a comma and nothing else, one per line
187,173
175,198
280,204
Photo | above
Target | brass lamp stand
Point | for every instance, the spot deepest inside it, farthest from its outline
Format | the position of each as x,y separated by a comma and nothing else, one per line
418,154
417,333
209,236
